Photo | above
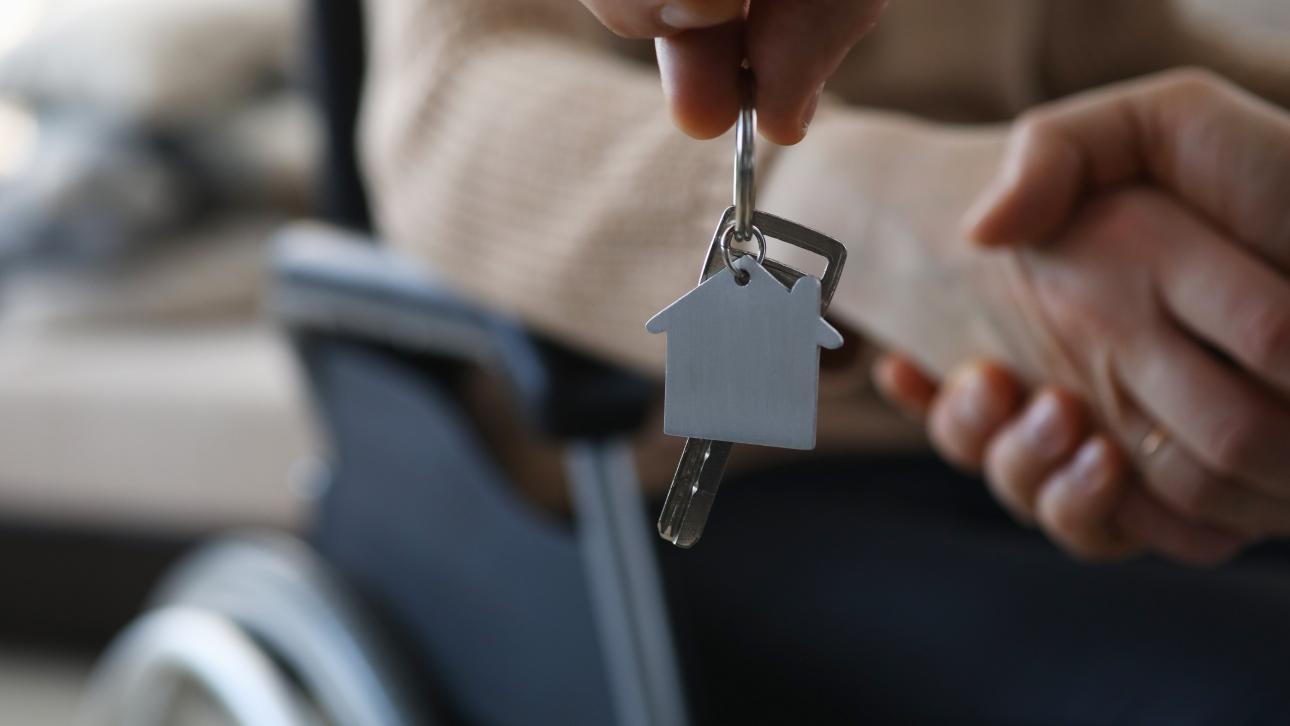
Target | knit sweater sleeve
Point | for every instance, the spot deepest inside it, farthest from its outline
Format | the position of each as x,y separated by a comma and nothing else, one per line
505,148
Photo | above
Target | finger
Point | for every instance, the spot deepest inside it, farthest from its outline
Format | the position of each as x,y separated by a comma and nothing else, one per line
794,46
1220,149
1231,299
1142,519
1028,450
650,19
1232,427
700,74
976,401
1179,481
1076,505
904,384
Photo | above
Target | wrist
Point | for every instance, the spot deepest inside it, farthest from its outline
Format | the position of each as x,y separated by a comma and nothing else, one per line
893,190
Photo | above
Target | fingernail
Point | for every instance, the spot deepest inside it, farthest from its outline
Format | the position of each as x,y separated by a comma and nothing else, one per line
681,17
812,105
1042,427
972,400
1087,470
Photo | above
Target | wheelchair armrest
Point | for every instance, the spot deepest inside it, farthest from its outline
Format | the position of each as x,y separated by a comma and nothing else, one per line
326,281
333,282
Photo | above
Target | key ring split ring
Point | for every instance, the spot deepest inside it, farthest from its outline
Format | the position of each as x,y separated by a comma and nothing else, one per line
745,159
730,234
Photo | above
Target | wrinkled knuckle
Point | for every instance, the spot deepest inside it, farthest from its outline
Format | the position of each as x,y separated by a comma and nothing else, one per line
1010,494
1266,337
944,432
1199,499
1123,214
1100,328
1235,440
998,470
1069,534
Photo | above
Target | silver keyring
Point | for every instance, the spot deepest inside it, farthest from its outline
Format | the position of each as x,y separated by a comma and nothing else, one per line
745,158
730,234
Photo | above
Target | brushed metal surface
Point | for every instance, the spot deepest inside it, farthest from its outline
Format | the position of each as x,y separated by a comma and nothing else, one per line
743,361
698,474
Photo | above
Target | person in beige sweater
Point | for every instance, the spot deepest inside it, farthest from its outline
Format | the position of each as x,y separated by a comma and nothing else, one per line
1219,152
527,155
524,153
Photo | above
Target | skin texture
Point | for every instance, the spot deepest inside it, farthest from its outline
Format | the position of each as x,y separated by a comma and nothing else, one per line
792,46
1215,381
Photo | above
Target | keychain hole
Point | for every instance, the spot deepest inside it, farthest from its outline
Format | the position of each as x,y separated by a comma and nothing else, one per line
728,237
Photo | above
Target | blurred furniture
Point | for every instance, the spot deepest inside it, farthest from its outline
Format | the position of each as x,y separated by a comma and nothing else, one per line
147,150
141,409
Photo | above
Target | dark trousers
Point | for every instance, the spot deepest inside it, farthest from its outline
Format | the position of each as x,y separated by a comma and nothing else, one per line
895,591
865,590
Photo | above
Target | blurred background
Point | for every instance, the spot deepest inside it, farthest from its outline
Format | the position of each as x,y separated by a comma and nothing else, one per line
148,148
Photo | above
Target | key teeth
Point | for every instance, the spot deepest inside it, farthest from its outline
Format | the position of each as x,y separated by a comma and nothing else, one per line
685,544
666,532
680,522
694,486
670,529
673,535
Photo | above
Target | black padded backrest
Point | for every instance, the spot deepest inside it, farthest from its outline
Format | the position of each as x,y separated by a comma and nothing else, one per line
339,59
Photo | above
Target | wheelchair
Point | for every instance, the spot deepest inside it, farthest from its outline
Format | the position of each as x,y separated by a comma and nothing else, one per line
531,620
522,617
462,603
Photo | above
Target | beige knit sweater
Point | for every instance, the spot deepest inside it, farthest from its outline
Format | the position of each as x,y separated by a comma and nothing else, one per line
526,155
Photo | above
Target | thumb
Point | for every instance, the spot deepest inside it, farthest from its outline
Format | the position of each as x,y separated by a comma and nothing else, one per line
1036,189
1217,148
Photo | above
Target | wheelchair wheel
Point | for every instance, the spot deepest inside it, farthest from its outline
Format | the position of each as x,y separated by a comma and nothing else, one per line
282,595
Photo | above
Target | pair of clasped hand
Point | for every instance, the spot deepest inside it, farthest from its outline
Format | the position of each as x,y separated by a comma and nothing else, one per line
1129,264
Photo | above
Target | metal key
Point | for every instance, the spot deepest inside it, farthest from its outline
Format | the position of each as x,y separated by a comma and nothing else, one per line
703,462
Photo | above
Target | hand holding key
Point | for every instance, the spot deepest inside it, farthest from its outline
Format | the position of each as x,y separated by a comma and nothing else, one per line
743,351
792,47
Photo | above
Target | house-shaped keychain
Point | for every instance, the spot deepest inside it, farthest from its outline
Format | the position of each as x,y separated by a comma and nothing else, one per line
743,358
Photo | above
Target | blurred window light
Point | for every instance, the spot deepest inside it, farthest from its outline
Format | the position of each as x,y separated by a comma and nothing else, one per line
19,133
18,18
